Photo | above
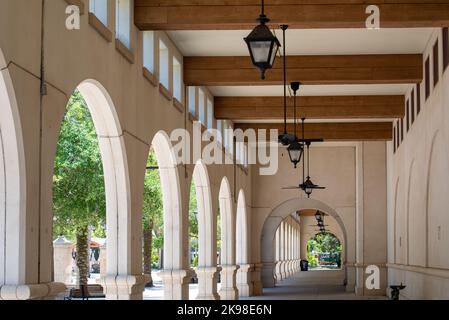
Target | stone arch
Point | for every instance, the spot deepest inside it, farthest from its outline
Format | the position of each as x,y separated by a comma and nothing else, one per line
206,217
437,202
244,283
272,222
12,184
172,202
116,176
228,242
242,236
228,289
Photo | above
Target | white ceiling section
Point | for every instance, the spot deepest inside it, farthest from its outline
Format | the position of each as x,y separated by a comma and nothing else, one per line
307,41
311,90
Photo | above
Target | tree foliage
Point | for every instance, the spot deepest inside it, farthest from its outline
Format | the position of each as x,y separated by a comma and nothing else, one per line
78,180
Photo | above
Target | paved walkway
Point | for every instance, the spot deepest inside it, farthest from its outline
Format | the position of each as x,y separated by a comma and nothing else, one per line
293,289
288,289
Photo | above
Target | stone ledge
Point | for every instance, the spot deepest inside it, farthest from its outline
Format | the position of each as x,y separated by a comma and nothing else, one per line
147,74
124,51
100,27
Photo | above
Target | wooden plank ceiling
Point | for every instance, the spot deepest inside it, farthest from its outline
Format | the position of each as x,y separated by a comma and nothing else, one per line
370,116
241,14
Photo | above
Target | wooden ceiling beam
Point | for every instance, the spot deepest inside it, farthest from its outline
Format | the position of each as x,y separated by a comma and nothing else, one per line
309,70
343,131
311,107
302,14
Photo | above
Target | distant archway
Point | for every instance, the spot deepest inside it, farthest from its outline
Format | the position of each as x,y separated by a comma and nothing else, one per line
12,184
272,223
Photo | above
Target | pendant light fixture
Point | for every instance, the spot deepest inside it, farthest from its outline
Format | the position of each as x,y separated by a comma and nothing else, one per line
295,149
262,44
285,139
308,186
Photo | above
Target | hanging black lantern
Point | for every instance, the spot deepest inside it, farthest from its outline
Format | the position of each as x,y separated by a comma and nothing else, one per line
296,148
262,44
295,151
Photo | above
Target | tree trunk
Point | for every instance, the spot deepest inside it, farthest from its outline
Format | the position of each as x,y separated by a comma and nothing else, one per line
147,251
82,254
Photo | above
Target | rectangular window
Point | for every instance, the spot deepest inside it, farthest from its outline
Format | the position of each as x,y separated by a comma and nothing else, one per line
412,106
210,114
201,107
238,153
220,131
407,116
192,100
427,77
163,65
445,48
396,132
148,50
436,64
225,135
123,22
394,139
177,80
402,129
100,9
245,156
418,98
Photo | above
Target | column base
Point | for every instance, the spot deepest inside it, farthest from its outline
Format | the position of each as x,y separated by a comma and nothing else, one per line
207,283
267,275
43,291
244,283
127,287
176,284
257,280
228,290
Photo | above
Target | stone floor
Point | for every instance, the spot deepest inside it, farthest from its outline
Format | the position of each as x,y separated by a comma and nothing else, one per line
293,289
288,289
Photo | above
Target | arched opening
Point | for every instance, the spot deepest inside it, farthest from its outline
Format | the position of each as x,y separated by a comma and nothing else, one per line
163,173
79,203
324,251
12,185
244,283
153,228
276,219
228,288
207,230
102,187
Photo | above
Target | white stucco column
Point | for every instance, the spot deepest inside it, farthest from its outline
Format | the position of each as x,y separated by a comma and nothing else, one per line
283,250
277,272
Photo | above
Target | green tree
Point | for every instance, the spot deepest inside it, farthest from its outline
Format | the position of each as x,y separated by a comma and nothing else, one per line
193,223
153,222
78,182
